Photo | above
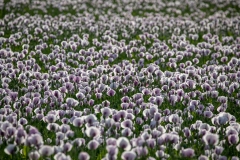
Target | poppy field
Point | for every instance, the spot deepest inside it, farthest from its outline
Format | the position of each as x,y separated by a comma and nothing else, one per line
119,79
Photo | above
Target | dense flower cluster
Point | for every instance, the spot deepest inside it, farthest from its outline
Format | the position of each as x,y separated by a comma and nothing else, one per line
119,79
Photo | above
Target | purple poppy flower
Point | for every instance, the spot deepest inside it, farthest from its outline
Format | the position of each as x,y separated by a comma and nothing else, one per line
83,156
111,92
127,132
35,140
141,151
91,102
211,139
233,139
151,143
207,114
219,150
67,147
61,156
203,157
64,128
50,118
14,96
34,155
126,124
91,119
111,141
80,96
128,155
11,149
123,143
188,152
106,112
160,154
112,150
174,118
46,150
92,132
78,122
93,144
234,158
